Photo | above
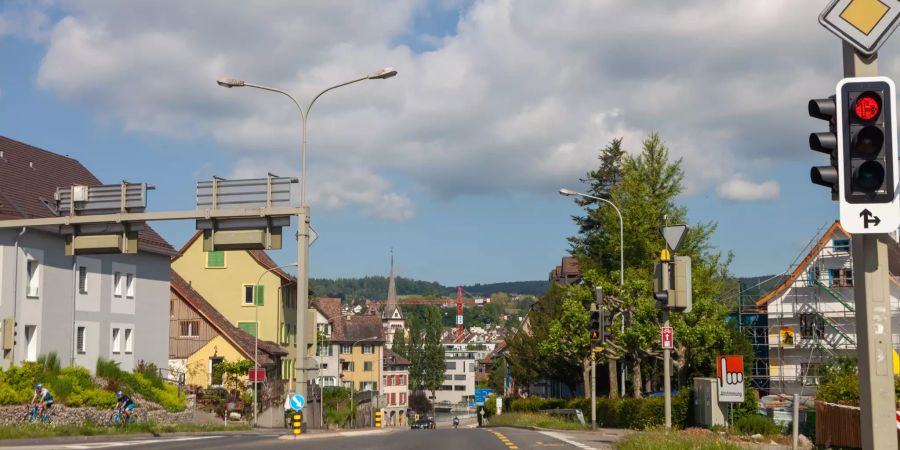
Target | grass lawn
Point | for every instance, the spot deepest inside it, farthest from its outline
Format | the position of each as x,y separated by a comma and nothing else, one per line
535,420
675,441
34,430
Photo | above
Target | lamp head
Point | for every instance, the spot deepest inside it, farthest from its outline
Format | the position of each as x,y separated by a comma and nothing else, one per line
230,82
383,74
567,192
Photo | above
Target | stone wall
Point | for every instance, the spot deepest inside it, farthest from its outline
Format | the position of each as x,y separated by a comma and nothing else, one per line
61,414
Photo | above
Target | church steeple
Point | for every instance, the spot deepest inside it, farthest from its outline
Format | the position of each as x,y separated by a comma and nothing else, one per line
392,316
392,286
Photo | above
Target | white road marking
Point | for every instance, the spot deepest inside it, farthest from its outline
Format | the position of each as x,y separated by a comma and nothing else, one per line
562,437
93,445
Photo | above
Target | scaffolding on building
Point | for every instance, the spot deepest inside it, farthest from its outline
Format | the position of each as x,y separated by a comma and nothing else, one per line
807,323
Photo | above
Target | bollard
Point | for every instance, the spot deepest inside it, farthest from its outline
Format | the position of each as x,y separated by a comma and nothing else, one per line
297,423
378,419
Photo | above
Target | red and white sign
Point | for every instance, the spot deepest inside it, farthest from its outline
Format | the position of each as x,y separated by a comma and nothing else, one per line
668,337
730,374
257,375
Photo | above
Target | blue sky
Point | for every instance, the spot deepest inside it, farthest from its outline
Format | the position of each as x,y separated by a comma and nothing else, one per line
454,163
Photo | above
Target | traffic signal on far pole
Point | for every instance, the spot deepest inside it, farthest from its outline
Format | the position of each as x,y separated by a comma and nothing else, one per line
605,326
595,326
825,142
867,145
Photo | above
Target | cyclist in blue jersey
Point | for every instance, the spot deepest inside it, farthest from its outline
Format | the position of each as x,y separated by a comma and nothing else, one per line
43,398
125,404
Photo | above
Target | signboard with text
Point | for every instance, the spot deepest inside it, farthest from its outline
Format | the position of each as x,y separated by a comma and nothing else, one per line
668,337
730,376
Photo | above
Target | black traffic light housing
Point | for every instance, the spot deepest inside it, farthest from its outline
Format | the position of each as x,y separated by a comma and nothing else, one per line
605,326
866,124
825,142
596,326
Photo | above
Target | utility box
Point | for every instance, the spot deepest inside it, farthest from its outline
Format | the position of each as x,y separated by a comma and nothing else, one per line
708,411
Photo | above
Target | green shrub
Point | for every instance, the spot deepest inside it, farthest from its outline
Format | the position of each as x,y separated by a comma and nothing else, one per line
149,372
756,424
97,398
535,404
107,368
10,396
49,364
25,376
490,405
170,399
62,387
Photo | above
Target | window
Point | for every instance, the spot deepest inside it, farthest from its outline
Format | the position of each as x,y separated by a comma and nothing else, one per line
129,340
171,309
446,387
459,377
82,280
118,288
115,340
80,338
459,388
393,399
324,329
215,260
451,365
402,398
215,378
248,295
841,245
448,376
346,349
367,366
34,278
347,366
402,380
190,328
368,349
387,380
129,285
367,385
249,327
347,384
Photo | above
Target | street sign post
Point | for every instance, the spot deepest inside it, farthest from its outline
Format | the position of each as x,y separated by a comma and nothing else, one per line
668,337
674,235
864,24
481,394
297,402
730,375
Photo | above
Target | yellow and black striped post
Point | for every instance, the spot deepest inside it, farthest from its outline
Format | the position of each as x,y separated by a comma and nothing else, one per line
378,419
297,423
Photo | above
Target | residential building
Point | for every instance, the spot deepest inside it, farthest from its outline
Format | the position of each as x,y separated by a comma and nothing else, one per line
360,341
200,338
80,307
395,390
327,356
568,272
226,280
458,388
811,315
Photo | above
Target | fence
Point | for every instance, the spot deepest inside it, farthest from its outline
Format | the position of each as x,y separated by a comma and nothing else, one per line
839,425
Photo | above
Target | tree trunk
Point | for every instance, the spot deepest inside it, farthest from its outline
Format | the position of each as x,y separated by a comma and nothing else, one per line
613,378
586,375
636,378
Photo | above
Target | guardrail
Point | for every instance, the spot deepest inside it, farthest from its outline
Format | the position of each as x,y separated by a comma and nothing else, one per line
568,412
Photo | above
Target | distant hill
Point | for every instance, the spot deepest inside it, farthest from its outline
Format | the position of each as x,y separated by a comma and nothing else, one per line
509,287
375,288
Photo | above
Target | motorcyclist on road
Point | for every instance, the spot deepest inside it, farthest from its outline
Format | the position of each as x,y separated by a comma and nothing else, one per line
455,422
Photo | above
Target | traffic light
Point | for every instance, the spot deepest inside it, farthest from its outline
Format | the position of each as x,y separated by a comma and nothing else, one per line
867,145
605,326
825,142
595,326
677,294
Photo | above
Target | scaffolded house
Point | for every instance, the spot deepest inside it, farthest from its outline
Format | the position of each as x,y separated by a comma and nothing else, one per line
811,315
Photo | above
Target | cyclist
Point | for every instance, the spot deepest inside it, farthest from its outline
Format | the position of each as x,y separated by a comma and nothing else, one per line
43,398
125,404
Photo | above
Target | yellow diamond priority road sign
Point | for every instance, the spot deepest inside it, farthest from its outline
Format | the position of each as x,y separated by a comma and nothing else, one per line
864,24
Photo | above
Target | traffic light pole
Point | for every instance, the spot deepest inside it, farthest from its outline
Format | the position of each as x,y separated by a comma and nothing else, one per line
871,294
667,376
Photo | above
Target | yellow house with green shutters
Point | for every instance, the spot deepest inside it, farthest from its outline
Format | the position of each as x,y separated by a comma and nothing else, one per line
226,280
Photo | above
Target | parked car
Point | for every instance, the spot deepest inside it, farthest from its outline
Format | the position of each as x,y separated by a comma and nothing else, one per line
424,423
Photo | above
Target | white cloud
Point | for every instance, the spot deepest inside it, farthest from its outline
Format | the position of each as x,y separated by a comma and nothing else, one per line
520,98
739,189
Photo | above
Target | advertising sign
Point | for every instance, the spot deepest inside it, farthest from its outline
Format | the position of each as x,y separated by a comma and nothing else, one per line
730,374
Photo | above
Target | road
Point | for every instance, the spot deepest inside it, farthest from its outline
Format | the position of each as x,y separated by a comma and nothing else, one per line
440,439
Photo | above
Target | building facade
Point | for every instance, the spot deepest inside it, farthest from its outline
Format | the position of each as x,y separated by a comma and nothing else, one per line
360,342
80,307
395,390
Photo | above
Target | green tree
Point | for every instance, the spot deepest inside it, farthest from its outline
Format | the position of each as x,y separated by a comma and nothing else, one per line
398,344
433,352
568,340
645,187
414,355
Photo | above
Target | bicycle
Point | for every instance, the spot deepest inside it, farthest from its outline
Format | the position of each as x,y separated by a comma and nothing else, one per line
34,413
117,418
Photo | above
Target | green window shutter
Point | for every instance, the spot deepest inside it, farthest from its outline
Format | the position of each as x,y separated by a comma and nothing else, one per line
215,259
260,295
249,327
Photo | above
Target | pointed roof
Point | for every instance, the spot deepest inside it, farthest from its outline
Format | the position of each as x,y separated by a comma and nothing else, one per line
245,343
260,256
893,262
392,308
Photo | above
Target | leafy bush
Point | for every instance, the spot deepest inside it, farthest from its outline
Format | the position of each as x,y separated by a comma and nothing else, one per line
756,424
535,404
49,364
97,398
170,399
10,396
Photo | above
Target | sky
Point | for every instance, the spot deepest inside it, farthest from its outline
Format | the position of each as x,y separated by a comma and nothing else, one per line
455,163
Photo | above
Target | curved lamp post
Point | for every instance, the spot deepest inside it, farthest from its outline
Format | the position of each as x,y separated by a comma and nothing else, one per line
303,213
571,193
256,335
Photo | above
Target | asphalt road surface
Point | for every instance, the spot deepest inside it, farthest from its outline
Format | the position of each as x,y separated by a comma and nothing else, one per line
439,439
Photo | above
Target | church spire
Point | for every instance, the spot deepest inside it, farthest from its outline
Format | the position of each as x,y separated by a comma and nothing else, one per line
392,285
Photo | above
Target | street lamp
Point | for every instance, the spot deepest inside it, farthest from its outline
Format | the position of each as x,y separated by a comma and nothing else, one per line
370,338
303,213
571,193
256,335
